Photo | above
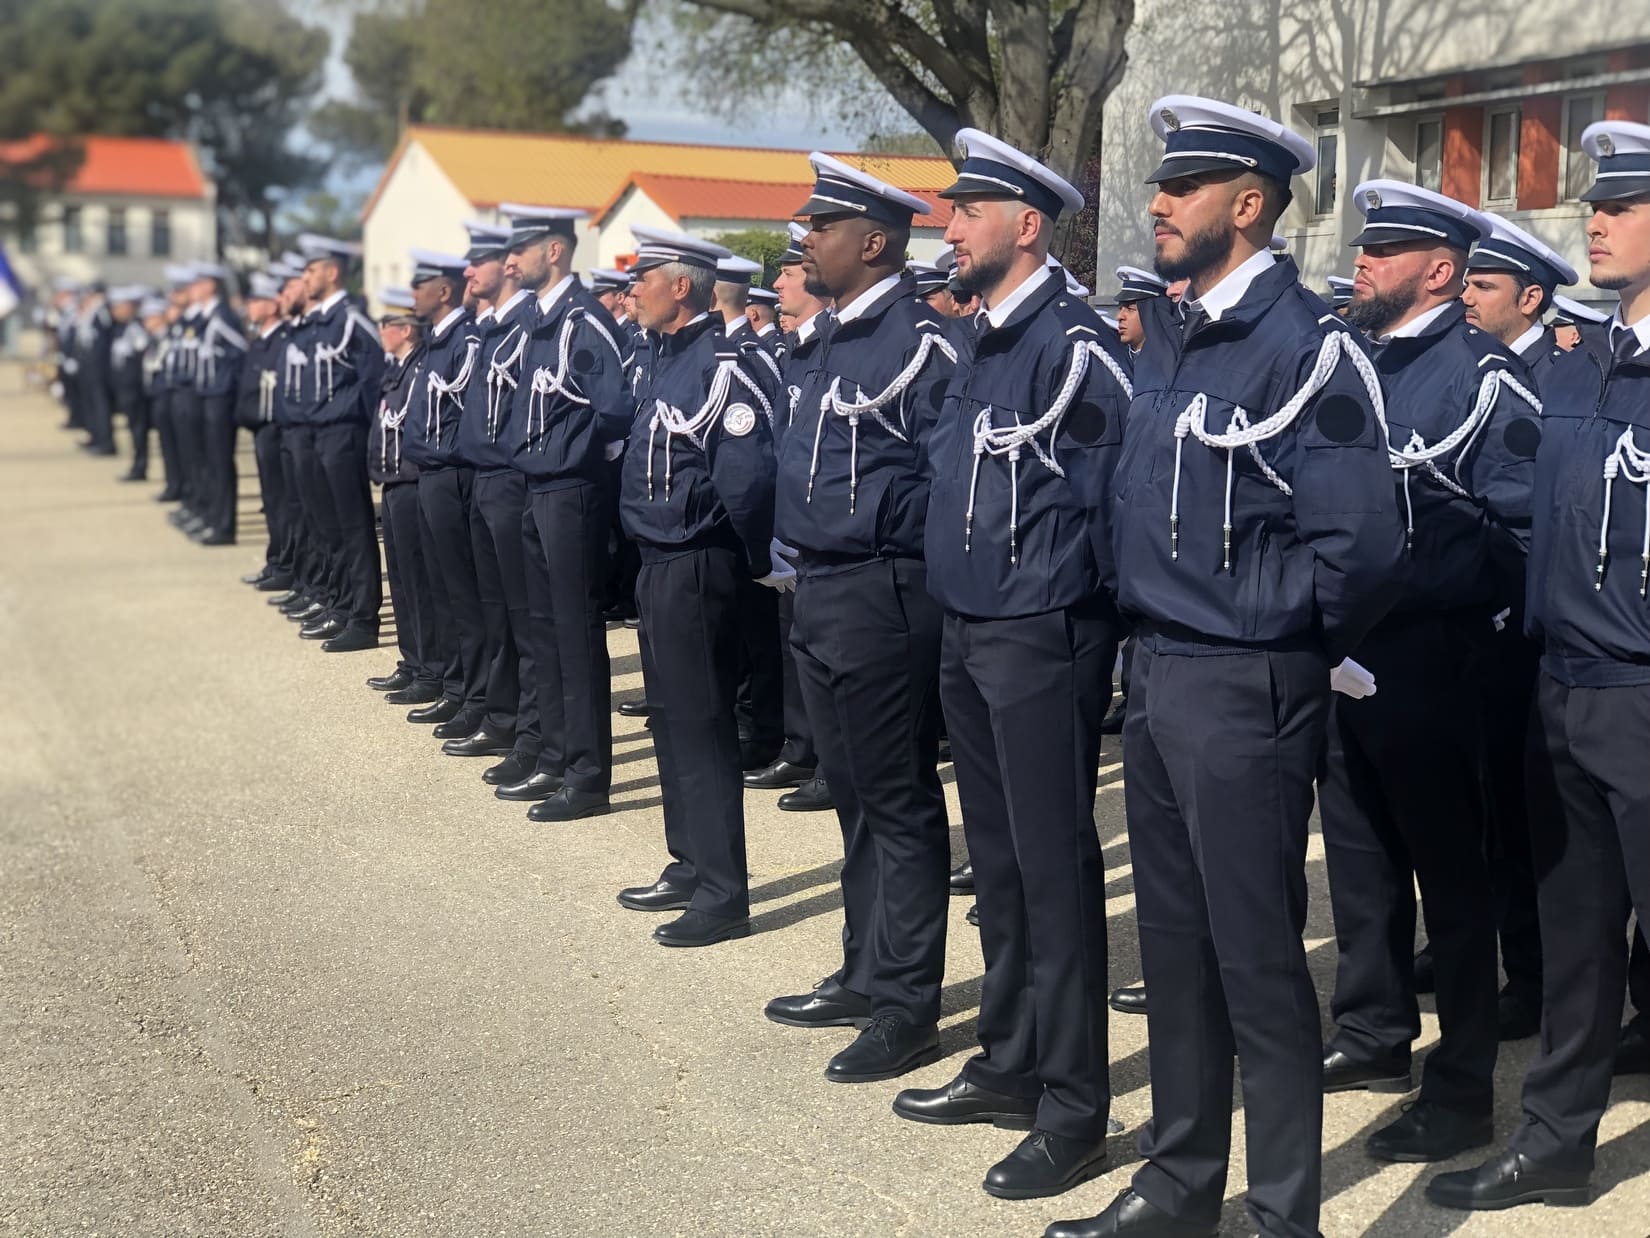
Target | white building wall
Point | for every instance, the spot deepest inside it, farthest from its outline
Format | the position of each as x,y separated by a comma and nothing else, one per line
193,227
1292,60
613,236
419,208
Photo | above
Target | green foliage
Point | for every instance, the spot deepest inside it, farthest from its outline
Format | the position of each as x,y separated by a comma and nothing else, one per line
759,245
232,75
503,64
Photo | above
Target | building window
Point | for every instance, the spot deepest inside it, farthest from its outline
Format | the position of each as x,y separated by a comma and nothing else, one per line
1579,112
1328,128
73,241
160,233
117,230
1429,153
1501,156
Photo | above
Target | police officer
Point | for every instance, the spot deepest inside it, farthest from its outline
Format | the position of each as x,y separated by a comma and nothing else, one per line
127,346
933,286
1018,553
152,313
762,312
448,362
496,505
418,672
187,419
796,769
1134,286
571,415
220,351
610,287
1573,322
1587,778
94,332
698,500
339,362
1253,550
1340,293
167,381
852,499
1511,279
255,413
311,562
1401,794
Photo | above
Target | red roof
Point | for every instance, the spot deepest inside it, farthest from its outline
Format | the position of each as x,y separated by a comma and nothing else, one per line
130,167
696,197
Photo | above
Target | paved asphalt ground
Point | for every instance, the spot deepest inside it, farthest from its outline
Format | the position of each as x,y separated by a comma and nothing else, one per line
270,964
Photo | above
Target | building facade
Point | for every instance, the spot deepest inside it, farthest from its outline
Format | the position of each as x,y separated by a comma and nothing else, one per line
1484,101
439,177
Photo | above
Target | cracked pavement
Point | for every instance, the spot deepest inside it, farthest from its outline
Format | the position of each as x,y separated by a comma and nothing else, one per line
272,965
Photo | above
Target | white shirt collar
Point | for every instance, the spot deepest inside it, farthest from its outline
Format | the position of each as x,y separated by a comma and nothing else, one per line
490,312
621,320
325,307
453,315
210,308
555,294
1641,328
1529,339
269,328
1229,291
1415,325
766,329
808,327
864,301
515,299
1000,313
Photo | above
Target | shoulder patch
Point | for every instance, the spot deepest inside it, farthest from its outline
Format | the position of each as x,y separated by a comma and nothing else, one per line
1522,437
739,420
1341,419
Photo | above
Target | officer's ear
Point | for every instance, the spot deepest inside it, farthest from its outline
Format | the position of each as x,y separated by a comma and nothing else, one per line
1532,301
1443,274
873,244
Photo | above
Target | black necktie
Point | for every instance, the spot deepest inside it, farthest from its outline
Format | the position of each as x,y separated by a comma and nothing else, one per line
1194,317
1623,347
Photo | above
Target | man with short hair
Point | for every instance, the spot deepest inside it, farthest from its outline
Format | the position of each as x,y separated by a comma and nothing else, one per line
1018,549
1588,781
698,500
1135,286
1511,280
336,361
93,333
255,413
220,353
127,344
851,500
571,414
1253,550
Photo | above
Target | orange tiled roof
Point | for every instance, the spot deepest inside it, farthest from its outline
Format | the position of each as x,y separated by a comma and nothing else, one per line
133,167
699,197
489,166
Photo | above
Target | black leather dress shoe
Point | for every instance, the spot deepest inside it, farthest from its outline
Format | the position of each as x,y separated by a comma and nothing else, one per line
570,804
1342,1073
290,598
442,709
1429,1132
891,1045
536,786
275,584
634,624
633,709
415,694
397,679
128,475
1130,1214
662,895
168,495
215,537
482,742
458,727
829,1005
779,775
350,640
972,915
1507,1181
812,796
1426,975
962,878
322,627
1517,1016
256,578
960,1102
1128,1001
1046,1164
1112,723
1633,1050
307,613
700,928
513,768
757,757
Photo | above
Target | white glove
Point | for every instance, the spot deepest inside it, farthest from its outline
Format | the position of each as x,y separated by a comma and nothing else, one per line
789,552
1352,680
1499,619
783,575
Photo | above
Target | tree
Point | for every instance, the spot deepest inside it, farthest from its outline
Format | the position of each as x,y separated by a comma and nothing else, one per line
234,76
759,245
1035,73
504,64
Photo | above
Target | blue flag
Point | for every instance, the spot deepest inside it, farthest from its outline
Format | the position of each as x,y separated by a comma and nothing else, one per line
11,291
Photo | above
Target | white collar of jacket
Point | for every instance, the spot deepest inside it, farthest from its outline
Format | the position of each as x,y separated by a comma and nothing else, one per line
1000,313
441,328
516,298
555,294
326,307
1529,339
808,327
865,300
1415,326
1229,291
